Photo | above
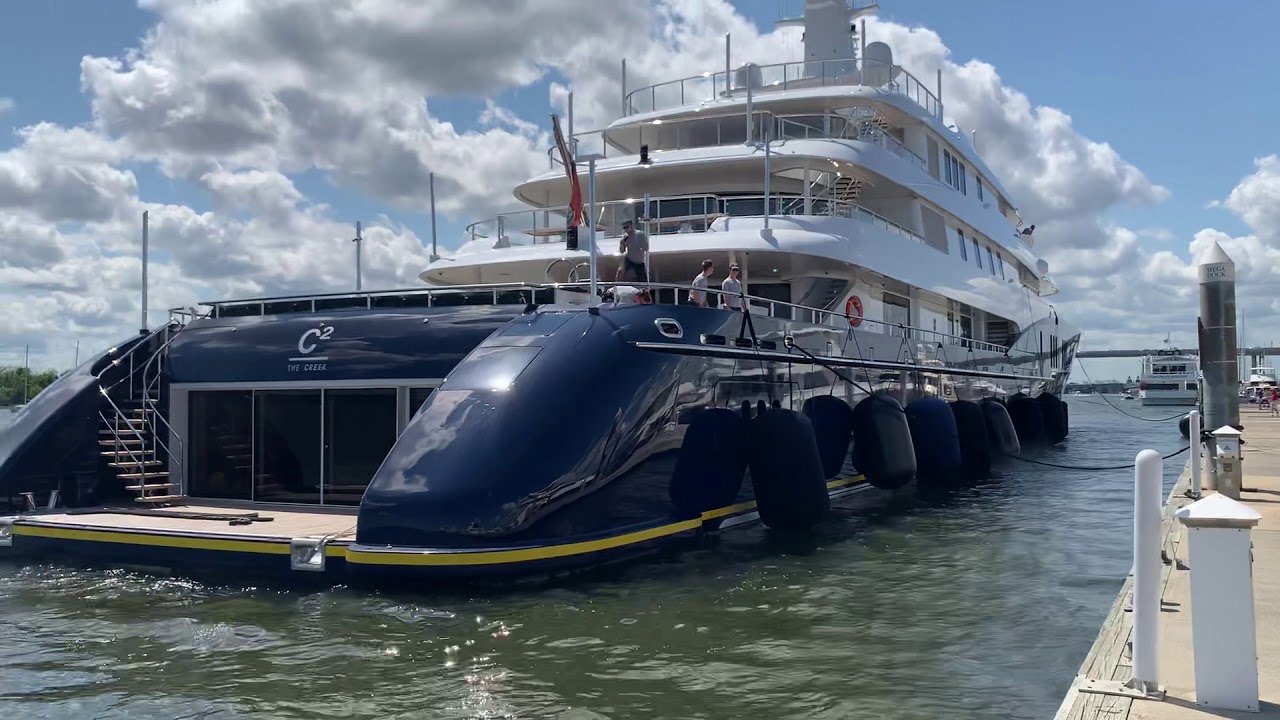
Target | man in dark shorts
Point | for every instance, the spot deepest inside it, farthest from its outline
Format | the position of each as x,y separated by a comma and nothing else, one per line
634,246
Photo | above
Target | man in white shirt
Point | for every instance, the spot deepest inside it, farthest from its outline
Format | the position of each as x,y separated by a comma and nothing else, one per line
732,287
634,247
698,295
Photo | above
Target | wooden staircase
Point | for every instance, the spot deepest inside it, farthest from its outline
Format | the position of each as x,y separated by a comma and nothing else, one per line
127,440
133,432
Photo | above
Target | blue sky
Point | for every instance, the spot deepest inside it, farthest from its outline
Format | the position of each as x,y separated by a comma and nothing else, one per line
1183,94
1148,82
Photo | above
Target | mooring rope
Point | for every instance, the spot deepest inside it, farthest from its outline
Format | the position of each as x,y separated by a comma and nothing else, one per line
1179,416
1081,467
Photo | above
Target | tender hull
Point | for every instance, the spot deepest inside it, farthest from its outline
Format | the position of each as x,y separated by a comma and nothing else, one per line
556,441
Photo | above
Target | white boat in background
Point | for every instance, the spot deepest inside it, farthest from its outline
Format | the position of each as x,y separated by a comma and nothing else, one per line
1169,377
1262,379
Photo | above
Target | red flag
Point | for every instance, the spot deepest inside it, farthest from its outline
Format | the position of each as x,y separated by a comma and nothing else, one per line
571,170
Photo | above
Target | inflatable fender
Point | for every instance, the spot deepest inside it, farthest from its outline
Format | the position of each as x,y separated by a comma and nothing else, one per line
882,447
832,420
711,462
974,439
786,470
936,442
1000,430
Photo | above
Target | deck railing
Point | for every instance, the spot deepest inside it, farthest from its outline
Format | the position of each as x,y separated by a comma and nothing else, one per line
522,293
781,77
862,123
669,215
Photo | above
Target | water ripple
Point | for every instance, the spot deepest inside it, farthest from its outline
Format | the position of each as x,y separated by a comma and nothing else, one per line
977,605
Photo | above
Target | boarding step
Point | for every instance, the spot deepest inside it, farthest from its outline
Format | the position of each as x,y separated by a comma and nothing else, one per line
131,454
129,463
121,441
159,499
122,430
144,475
145,488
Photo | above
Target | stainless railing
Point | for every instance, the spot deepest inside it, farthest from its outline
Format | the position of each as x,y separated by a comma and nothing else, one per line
524,292
856,122
669,215
818,316
129,358
781,77
157,359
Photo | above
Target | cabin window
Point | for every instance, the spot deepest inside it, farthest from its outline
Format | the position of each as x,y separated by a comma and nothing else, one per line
897,310
359,430
219,456
964,252
955,172
977,253
1000,263
980,194
991,263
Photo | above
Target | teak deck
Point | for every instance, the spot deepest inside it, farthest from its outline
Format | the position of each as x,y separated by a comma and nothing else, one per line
265,523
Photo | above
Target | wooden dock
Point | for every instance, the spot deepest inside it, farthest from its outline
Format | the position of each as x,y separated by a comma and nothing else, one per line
1109,658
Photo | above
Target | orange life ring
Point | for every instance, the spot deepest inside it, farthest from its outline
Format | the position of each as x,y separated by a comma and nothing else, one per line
853,308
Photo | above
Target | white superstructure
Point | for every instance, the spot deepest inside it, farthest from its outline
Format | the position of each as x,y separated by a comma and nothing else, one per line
835,183
1169,377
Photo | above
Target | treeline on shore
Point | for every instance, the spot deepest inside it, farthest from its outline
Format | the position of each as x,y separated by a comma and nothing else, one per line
14,379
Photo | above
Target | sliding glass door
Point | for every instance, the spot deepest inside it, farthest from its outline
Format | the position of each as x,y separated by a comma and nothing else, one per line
220,455
286,449
307,446
359,429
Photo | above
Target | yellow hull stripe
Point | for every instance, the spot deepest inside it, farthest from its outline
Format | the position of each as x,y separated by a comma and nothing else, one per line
341,549
136,538
548,552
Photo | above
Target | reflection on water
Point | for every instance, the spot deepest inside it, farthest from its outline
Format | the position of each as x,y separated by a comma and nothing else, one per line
978,605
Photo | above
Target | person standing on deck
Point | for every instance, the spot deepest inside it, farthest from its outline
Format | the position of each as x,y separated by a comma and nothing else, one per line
634,247
732,287
698,295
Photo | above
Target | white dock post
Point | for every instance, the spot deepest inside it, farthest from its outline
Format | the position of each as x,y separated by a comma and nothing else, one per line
1223,634
1196,447
1147,472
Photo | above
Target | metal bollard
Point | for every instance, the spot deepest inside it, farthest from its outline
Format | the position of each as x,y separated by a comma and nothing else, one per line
1147,473
1223,631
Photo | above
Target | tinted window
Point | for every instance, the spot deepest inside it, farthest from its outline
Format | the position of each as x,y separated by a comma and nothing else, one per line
417,396
221,444
286,446
360,428
491,368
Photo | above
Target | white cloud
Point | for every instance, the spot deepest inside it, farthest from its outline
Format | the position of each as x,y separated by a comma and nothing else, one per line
6,104
239,97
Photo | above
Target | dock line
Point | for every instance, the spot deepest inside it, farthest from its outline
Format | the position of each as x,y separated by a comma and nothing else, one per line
1081,467
1179,416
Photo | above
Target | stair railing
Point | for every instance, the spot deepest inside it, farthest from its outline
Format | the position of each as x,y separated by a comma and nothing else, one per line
129,355
114,427
148,403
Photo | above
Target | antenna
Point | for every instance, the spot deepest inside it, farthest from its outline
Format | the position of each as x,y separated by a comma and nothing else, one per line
145,214
358,240
431,186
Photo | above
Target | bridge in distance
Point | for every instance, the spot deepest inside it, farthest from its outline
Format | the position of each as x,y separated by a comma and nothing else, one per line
1251,352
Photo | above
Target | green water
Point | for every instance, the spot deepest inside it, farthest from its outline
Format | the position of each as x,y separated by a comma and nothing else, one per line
981,605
